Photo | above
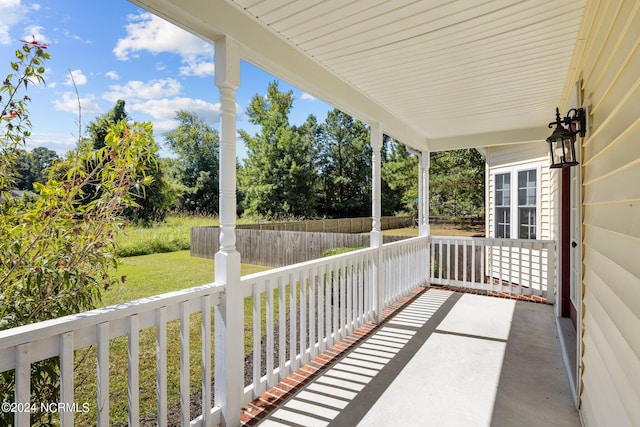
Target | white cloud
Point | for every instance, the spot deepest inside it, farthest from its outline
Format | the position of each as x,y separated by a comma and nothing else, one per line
69,104
76,37
165,109
112,75
198,68
164,112
147,32
78,78
58,142
138,90
306,97
12,11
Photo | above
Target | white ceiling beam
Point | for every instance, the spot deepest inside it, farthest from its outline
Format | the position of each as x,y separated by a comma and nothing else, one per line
514,136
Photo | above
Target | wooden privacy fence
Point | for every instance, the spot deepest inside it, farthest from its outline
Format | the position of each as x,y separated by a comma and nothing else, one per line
277,248
340,225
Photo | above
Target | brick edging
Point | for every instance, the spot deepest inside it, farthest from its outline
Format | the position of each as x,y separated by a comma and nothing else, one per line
269,401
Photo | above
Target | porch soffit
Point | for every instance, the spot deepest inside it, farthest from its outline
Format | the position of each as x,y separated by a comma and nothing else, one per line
437,74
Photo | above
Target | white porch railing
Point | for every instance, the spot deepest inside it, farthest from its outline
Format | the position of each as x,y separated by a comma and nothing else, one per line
21,347
304,308
298,311
512,266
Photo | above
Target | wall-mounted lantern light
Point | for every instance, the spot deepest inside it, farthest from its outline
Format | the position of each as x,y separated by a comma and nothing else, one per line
562,140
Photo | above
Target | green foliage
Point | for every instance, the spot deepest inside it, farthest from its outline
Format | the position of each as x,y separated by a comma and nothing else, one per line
345,166
55,252
278,177
15,126
456,183
196,171
33,167
154,200
338,251
98,129
400,180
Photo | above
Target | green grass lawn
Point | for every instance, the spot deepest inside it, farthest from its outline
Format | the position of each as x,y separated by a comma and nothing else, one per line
147,276
170,268
156,274
171,235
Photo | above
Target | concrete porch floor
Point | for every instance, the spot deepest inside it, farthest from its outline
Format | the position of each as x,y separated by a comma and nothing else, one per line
443,359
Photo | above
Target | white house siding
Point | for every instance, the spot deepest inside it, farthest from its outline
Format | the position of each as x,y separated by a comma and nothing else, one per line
607,62
513,158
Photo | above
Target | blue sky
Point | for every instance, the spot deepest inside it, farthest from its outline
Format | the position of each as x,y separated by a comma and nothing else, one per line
115,50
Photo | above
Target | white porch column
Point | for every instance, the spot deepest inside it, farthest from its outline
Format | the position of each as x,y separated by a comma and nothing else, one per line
376,209
229,315
423,194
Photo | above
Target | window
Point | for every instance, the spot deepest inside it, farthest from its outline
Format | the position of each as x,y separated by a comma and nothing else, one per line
527,204
516,216
503,205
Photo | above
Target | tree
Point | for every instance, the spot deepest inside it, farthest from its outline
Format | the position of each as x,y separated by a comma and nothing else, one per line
55,253
33,167
277,179
456,183
98,129
345,166
197,146
153,201
400,180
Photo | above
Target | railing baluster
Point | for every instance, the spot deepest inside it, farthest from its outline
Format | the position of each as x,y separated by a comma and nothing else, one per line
282,323
465,265
185,369
304,355
66,377
537,282
134,360
23,382
257,347
313,288
473,262
510,267
456,257
483,261
328,286
322,274
206,360
342,281
270,324
161,365
102,350
440,264
366,290
350,273
360,291
519,266
335,271
293,320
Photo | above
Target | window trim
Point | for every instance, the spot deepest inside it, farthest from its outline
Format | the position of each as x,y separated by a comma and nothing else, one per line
514,207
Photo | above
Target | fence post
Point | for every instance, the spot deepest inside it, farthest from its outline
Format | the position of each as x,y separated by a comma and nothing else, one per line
229,314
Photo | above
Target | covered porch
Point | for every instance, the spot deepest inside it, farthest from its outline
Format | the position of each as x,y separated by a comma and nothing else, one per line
438,358
361,337
452,357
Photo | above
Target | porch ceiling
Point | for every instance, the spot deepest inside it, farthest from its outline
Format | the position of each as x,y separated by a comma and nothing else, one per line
437,74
